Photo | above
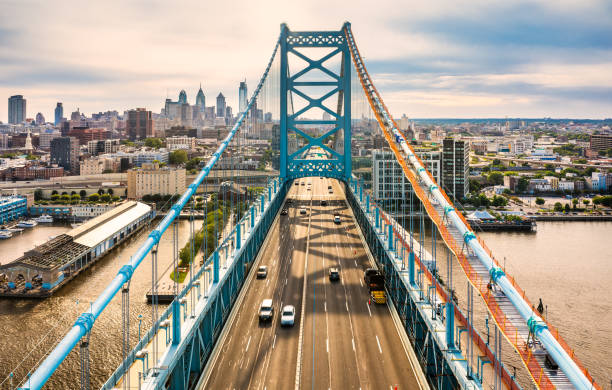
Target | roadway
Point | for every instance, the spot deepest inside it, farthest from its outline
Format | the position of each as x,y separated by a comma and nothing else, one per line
342,341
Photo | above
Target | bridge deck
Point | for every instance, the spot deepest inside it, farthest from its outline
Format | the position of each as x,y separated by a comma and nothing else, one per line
341,342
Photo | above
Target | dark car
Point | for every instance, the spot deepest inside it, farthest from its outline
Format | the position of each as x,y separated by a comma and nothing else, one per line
369,273
550,363
323,203
289,200
262,272
334,274
284,212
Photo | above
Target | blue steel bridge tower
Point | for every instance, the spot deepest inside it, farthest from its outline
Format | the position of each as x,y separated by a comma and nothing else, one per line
317,76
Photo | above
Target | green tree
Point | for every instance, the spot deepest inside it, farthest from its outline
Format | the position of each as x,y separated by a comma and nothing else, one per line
178,157
558,207
495,178
75,197
65,198
38,194
83,193
499,201
574,203
110,191
106,198
55,197
522,184
54,192
540,201
586,202
116,199
155,143
100,191
94,197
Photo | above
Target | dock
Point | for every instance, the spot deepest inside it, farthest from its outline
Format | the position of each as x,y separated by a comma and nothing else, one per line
46,268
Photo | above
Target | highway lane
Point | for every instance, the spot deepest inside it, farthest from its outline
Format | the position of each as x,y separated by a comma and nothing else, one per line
346,342
250,348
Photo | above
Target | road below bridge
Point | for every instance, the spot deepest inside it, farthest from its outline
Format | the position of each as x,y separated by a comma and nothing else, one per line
341,341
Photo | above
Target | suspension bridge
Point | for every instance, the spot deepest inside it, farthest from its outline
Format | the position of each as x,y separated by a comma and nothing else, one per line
314,94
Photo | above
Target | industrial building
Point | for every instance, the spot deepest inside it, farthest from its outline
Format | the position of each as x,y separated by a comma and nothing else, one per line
45,268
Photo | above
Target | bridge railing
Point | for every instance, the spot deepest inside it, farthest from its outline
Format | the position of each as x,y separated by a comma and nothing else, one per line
86,320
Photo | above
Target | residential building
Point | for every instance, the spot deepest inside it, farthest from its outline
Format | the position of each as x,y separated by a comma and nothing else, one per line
59,113
44,139
98,165
149,156
86,134
16,109
186,143
388,179
566,185
553,182
151,179
601,142
139,124
96,147
511,182
65,153
455,168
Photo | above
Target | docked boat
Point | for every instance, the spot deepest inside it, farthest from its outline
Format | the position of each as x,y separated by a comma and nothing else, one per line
45,218
27,224
5,234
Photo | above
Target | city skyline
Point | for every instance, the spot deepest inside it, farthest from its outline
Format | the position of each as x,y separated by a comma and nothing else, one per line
519,59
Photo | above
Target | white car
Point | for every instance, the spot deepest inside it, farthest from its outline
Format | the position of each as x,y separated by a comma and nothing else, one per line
266,310
303,211
288,316
337,219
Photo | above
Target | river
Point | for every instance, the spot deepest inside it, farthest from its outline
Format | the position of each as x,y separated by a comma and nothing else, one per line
569,266
37,325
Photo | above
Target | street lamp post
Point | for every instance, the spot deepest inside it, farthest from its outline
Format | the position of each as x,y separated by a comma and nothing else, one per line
139,323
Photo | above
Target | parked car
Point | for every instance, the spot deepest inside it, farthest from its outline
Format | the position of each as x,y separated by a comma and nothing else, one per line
288,316
266,310
337,219
369,273
284,212
323,203
303,211
262,272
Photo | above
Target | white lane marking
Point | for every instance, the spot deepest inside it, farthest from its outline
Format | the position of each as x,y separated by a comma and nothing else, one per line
378,342
353,341
285,281
355,263
248,343
274,342
267,282
360,282
369,311
325,306
327,344
346,304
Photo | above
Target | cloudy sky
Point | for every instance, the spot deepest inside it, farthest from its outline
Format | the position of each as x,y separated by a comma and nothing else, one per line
429,59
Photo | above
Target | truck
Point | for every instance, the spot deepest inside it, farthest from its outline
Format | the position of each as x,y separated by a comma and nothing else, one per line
376,285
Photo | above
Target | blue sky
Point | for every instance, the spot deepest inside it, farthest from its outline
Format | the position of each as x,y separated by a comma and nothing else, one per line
428,59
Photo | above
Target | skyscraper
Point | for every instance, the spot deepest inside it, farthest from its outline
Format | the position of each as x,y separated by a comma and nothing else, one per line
201,100
139,124
40,119
455,168
221,106
242,97
16,109
59,113
182,97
